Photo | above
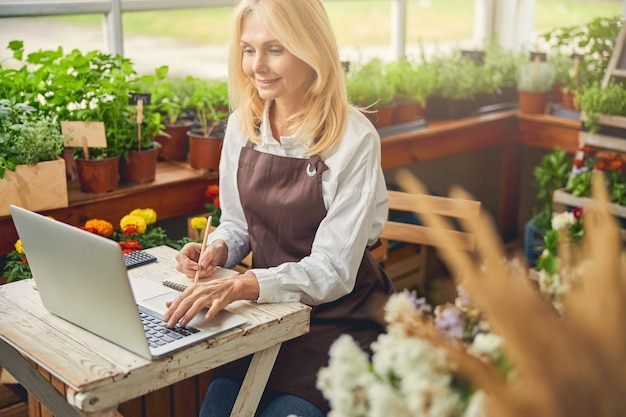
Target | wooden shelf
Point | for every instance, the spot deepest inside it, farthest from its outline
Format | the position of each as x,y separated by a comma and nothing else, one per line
176,191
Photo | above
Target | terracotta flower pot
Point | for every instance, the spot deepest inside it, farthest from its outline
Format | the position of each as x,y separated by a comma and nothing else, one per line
532,102
204,152
98,175
408,111
140,167
382,116
569,102
176,146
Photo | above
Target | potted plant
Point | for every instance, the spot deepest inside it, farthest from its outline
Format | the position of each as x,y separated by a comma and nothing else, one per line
594,40
550,175
31,144
172,99
604,109
458,80
413,84
139,162
368,88
501,67
535,81
210,104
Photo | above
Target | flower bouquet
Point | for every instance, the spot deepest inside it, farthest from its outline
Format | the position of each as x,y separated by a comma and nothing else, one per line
410,371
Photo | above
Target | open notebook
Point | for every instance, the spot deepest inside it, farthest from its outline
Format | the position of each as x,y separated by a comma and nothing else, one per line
181,282
81,277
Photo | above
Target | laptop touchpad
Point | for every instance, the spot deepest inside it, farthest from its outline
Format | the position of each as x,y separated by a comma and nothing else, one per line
157,303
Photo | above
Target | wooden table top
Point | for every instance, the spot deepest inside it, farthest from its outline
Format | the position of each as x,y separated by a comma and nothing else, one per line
99,374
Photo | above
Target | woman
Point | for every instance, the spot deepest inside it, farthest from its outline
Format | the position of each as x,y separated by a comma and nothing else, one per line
301,186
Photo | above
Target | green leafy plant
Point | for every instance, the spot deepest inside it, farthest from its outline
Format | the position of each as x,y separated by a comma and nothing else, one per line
596,100
77,86
595,41
367,85
501,65
171,97
27,136
536,77
410,80
588,161
551,174
458,77
209,101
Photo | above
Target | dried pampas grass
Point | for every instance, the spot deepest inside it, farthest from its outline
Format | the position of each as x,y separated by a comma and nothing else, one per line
567,365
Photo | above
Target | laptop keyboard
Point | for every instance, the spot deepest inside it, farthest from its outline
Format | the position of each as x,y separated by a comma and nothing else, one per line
157,332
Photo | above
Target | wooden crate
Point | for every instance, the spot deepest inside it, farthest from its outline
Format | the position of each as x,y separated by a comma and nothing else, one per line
564,201
39,187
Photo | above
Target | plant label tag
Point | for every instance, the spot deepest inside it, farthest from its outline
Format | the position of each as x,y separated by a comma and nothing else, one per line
91,132
538,56
136,97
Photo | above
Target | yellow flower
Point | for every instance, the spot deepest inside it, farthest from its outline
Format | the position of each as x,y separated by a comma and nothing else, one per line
18,247
133,225
148,214
199,223
100,227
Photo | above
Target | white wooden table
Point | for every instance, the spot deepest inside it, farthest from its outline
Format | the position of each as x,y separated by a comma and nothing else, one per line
98,375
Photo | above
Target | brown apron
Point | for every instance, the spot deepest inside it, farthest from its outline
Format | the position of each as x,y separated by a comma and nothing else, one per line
283,205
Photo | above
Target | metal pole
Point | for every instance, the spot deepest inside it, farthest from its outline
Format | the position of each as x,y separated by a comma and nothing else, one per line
398,29
112,24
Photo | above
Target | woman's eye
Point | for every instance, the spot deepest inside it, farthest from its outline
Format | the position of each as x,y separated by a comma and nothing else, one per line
276,51
248,51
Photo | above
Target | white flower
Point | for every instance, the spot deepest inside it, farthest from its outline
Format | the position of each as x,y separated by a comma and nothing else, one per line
345,379
398,305
563,220
385,401
485,345
476,406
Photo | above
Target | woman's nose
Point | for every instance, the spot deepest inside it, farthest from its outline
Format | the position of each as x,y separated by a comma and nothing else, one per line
259,64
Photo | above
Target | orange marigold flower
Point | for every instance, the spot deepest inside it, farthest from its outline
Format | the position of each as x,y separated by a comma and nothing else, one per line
616,165
600,165
99,227
24,260
589,150
136,224
212,191
130,246
216,202
578,163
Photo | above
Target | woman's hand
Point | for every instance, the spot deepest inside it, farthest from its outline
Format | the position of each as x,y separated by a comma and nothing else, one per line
215,295
214,254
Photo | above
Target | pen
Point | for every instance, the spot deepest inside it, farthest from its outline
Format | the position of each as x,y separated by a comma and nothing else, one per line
206,234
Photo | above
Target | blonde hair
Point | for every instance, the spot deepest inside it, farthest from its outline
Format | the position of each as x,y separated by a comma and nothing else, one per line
303,28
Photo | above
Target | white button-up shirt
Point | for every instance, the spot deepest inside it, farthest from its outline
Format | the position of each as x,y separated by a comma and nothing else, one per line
355,196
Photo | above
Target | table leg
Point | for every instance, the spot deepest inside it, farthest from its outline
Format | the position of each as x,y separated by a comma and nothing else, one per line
255,381
31,379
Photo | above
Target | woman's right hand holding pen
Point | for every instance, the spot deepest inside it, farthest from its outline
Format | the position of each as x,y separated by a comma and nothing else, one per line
191,258
215,294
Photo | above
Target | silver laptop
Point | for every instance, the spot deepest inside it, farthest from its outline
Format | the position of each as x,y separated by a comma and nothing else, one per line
81,277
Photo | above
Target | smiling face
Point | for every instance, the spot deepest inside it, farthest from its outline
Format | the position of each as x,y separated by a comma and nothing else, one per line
276,73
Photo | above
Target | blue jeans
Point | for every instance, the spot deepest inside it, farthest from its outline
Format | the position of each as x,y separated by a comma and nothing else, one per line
222,393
